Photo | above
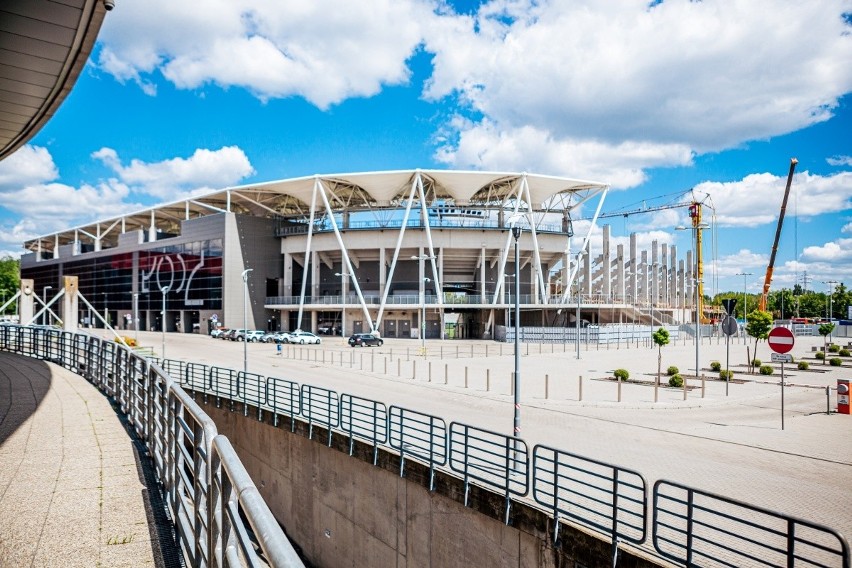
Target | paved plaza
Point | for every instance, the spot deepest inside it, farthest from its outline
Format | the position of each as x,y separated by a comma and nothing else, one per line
72,492
732,445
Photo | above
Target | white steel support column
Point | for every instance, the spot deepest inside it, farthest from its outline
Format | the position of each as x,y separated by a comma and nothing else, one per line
56,245
482,274
585,244
606,265
424,212
504,255
383,273
619,272
396,250
307,249
98,238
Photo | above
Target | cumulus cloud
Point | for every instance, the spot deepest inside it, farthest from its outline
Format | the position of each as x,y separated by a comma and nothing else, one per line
839,161
669,79
839,250
28,165
756,199
177,177
323,51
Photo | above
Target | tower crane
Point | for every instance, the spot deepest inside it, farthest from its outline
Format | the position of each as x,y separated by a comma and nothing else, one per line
769,269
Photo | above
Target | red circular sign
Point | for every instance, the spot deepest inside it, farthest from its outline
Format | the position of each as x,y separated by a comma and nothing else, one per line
781,339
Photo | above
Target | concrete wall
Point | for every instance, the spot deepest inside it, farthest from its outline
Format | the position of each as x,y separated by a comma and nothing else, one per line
342,511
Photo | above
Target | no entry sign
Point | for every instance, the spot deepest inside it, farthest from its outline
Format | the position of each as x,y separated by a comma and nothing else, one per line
781,339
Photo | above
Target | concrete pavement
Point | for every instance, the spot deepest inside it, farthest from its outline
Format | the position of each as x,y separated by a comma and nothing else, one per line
72,490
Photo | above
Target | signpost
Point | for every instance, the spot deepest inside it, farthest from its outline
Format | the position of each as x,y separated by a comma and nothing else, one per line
781,341
729,327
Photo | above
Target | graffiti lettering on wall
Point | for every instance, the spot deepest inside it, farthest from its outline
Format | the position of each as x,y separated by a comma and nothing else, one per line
169,269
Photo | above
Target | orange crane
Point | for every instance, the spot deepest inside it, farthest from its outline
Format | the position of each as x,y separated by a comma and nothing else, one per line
768,280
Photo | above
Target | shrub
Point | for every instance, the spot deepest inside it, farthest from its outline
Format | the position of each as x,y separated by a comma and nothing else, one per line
756,362
675,380
621,374
844,353
833,348
803,365
672,370
766,370
820,355
835,361
726,375
715,366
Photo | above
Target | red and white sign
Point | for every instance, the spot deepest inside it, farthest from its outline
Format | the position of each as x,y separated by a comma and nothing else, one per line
781,339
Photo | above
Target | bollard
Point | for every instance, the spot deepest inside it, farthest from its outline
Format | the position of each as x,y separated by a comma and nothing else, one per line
684,388
465,376
457,351
528,349
546,387
362,361
487,380
408,354
399,367
373,362
619,389
486,350
386,364
430,372
657,389
446,373
581,389
702,385
828,400
323,357
413,369
501,350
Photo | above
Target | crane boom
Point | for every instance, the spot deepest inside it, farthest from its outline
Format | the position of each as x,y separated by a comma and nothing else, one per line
769,269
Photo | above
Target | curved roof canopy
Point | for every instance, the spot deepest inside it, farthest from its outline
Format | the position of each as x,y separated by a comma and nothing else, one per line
44,45
365,191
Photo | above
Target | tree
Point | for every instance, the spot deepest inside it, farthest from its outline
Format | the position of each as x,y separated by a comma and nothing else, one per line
661,338
10,278
825,330
758,326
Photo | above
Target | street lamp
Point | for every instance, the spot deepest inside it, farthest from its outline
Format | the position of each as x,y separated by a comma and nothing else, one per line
245,318
421,258
696,229
831,283
577,318
164,290
516,233
343,277
44,317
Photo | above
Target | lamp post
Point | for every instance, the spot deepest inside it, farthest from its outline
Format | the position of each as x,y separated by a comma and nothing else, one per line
164,290
696,229
245,318
44,317
516,233
831,283
577,318
421,258
343,277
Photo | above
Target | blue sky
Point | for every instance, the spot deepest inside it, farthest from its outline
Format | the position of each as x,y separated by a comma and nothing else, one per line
653,98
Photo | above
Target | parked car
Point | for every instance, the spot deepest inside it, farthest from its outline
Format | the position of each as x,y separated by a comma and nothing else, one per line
364,339
218,332
254,335
282,337
303,337
268,337
236,334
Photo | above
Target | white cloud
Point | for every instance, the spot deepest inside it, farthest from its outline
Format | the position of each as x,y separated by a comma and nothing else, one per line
28,165
177,177
839,250
847,228
756,199
675,78
323,51
839,161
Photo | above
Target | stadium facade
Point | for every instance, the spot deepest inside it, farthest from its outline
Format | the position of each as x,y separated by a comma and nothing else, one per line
368,251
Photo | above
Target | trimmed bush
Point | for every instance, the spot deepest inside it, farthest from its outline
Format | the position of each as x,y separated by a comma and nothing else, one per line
621,374
844,353
756,362
672,370
820,355
726,375
715,366
835,361
675,380
766,370
803,365
833,348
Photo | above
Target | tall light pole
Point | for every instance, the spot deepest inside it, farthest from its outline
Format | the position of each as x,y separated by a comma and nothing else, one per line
343,276
577,318
516,233
422,287
164,290
831,283
696,229
44,317
245,318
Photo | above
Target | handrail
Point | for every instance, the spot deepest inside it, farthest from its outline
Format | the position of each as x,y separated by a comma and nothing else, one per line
207,490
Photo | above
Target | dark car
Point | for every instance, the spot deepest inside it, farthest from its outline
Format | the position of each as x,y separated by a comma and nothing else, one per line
363,339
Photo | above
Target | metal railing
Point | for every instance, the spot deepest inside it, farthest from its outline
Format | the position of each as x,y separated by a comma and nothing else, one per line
697,528
604,497
219,516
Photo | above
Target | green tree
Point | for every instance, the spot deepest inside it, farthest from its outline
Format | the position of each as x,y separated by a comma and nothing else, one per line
661,338
10,279
825,331
758,326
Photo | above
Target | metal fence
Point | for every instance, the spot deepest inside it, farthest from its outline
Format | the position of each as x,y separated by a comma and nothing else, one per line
219,516
689,527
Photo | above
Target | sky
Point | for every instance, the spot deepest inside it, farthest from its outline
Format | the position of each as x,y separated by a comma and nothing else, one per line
656,99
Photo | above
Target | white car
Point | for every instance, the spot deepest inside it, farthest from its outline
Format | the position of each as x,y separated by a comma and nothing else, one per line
303,337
